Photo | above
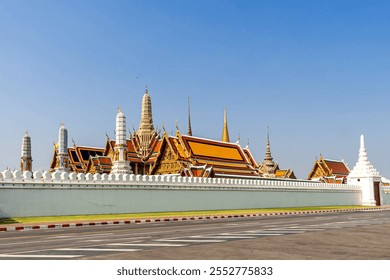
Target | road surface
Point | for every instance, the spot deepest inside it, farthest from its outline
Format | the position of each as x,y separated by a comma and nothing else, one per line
350,235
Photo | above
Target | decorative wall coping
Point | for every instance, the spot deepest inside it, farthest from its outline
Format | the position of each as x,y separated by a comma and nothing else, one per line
62,178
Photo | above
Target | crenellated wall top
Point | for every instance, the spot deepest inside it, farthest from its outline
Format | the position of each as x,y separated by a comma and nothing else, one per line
128,180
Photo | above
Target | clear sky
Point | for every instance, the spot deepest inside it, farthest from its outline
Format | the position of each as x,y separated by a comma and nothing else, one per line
316,72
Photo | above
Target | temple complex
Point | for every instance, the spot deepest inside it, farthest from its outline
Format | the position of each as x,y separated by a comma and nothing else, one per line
146,152
329,171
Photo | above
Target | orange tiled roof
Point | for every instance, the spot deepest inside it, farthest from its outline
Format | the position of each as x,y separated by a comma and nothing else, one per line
224,157
337,167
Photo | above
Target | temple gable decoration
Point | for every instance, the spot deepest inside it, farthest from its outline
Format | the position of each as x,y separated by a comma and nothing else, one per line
329,171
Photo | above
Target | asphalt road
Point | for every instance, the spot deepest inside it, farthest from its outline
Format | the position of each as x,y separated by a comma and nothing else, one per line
350,235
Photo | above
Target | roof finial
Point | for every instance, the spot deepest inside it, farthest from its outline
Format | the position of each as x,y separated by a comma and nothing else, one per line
189,118
146,90
163,128
225,132
268,134
177,125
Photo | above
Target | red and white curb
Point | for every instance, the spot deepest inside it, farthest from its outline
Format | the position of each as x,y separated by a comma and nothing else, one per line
180,219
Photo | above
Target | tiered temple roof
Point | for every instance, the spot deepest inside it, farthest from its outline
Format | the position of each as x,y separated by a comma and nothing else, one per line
183,152
329,171
78,157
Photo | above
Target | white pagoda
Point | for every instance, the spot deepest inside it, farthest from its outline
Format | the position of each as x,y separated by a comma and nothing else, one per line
367,177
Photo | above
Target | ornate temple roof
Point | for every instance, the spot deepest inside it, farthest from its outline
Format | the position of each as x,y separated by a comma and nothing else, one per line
225,158
329,170
285,174
99,164
78,157
337,167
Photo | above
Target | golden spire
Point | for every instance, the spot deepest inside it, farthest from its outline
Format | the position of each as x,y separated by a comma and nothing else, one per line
146,133
225,133
269,167
268,157
189,118
146,123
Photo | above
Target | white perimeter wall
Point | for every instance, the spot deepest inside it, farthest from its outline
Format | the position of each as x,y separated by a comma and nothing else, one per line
385,196
69,194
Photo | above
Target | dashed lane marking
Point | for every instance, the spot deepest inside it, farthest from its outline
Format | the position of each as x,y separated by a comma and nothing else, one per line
41,256
193,240
133,239
283,231
306,229
148,244
98,249
260,234
226,237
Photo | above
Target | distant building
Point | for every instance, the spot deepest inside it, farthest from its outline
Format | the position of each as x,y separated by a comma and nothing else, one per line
329,171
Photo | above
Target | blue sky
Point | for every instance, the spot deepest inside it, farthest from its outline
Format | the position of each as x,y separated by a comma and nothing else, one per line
316,72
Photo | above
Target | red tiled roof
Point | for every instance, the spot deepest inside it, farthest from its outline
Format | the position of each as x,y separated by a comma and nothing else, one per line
337,167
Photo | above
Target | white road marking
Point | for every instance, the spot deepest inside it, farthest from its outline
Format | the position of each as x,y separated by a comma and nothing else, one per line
277,231
148,244
93,240
98,249
260,234
280,224
41,256
228,237
81,235
136,239
285,230
193,240
305,229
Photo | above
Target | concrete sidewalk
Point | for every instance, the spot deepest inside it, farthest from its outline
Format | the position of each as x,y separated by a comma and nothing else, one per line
70,224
